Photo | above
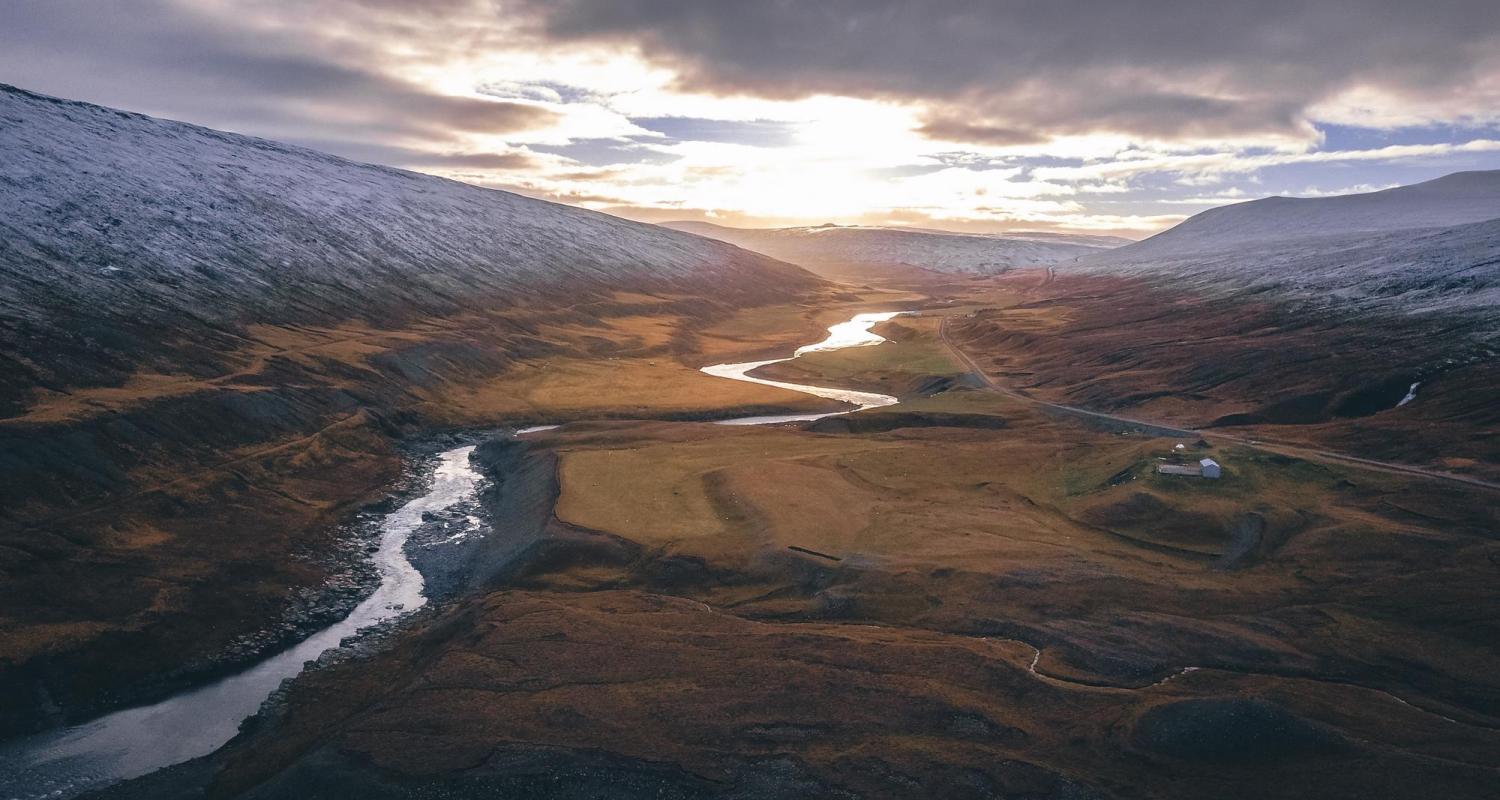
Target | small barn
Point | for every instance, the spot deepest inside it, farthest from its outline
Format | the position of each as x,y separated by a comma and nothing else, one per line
1206,468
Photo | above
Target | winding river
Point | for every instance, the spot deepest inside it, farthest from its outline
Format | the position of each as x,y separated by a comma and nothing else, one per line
126,744
854,333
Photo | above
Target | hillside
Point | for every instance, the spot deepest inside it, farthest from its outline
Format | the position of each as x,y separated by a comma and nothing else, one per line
940,251
1456,199
214,349
123,237
1422,270
1430,247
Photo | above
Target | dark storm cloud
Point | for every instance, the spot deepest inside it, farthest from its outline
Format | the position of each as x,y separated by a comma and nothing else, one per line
957,130
1156,67
164,58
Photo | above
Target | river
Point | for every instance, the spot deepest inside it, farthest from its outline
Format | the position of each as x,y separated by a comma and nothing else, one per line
126,744
854,333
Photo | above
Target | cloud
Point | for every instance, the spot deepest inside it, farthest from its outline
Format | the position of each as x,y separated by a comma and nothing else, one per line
489,161
1158,68
541,91
984,116
460,113
754,133
604,152
953,130
183,61
412,158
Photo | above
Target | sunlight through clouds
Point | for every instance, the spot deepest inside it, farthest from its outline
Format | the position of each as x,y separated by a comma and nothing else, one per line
652,111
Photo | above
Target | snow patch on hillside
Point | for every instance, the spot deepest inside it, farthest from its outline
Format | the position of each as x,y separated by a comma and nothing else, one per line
1422,271
1431,247
97,203
131,244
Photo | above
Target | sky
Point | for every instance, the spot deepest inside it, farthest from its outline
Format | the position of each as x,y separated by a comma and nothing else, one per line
1118,117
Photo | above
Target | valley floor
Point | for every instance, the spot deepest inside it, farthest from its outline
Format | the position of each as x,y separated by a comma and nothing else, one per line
969,594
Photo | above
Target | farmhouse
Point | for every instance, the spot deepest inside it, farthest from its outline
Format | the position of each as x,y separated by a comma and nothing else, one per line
1207,468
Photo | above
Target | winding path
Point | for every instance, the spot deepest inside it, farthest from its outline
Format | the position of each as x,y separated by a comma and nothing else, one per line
1305,453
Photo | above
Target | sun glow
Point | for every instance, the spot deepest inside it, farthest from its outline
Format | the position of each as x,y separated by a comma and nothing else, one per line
635,126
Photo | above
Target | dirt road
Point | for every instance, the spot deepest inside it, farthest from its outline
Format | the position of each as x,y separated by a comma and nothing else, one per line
1308,454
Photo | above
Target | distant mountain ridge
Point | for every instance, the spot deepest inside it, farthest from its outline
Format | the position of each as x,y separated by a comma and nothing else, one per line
940,251
1456,199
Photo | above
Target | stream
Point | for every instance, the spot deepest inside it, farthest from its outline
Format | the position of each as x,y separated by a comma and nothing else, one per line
66,762
854,333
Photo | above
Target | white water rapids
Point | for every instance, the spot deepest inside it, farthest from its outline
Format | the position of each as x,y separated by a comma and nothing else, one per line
66,762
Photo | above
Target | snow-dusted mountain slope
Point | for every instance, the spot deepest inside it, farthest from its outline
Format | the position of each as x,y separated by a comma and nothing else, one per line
1425,270
1455,199
1429,247
120,232
941,251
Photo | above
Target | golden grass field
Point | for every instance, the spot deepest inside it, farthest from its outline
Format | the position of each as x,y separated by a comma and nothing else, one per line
910,357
